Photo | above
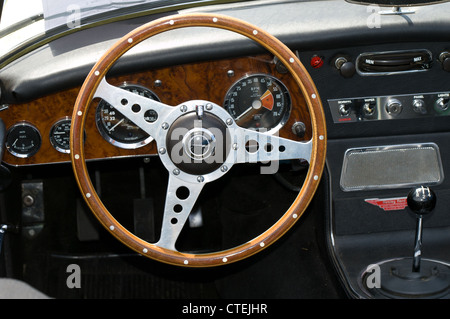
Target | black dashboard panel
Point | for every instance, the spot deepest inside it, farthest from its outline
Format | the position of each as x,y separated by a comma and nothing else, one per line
333,86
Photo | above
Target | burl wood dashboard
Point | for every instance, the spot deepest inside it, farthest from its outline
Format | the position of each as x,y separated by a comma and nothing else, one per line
209,81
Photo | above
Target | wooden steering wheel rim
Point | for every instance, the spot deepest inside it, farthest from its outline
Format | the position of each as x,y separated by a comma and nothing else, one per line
317,160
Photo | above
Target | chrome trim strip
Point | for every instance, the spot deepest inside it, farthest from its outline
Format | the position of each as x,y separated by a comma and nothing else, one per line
386,148
362,55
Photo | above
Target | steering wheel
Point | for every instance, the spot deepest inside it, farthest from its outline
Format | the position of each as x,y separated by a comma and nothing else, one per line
203,152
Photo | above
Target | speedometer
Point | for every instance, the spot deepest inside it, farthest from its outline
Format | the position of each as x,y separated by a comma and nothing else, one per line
259,102
60,135
118,129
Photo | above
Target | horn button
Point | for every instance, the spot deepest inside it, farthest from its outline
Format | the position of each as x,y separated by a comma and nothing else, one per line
198,146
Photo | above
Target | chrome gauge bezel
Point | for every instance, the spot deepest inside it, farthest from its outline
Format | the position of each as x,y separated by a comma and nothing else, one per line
56,145
9,145
103,131
287,112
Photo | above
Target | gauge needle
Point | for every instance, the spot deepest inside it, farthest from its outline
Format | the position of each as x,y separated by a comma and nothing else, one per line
13,144
118,123
243,113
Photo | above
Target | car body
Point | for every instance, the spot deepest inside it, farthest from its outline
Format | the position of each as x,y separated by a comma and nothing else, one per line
356,93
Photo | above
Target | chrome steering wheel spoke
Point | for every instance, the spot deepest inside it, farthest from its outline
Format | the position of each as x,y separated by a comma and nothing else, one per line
251,146
146,113
180,200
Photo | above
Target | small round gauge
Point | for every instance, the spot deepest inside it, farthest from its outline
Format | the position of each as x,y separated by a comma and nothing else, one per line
259,102
118,129
23,140
60,135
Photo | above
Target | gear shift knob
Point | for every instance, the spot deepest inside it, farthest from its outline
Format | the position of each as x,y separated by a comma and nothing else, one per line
421,200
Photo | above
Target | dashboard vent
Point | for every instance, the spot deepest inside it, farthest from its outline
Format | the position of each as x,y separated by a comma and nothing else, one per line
385,63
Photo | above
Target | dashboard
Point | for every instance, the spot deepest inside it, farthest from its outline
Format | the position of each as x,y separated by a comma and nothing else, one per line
39,131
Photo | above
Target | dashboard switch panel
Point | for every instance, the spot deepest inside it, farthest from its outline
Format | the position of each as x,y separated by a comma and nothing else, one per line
392,107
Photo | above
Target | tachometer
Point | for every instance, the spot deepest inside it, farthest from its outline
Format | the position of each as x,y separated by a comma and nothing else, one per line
260,102
118,129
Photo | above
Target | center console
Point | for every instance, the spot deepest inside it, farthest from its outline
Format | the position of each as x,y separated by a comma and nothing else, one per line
388,134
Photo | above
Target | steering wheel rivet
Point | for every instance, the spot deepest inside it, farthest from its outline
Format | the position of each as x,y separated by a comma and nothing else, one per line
97,73
294,216
215,20
111,227
235,146
321,137
291,60
145,250
162,150
224,259
165,126
88,195
79,113
313,96
229,121
176,171
255,32
316,177
77,156
186,262
130,40
200,179
224,168
183,108
261,244
171,22
209,106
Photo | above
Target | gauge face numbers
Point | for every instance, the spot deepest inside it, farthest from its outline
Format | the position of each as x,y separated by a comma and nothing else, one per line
60,135
23,140
118,129
259,102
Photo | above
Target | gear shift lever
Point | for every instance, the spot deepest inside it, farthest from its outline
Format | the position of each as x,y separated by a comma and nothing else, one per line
427,278
421,201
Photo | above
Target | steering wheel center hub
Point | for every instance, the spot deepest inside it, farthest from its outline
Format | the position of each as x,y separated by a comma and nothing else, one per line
198,146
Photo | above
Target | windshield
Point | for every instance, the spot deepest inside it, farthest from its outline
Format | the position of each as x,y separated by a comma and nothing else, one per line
23,20
71,12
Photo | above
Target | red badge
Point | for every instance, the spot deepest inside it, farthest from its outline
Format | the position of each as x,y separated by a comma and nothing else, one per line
388,204
316,62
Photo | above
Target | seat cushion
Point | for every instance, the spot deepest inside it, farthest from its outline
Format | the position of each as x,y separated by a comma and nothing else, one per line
16,289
